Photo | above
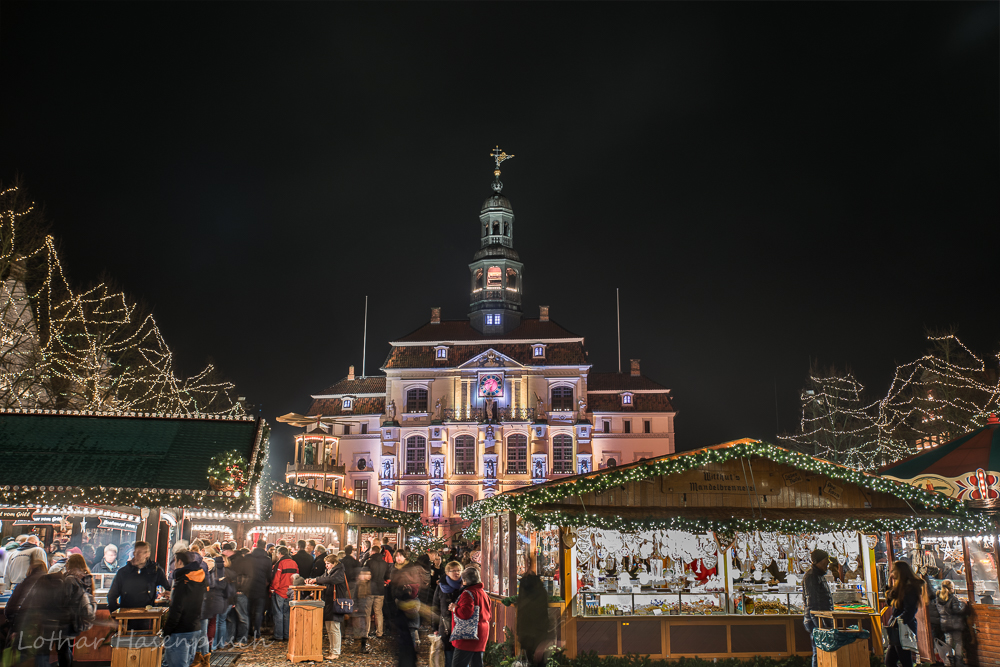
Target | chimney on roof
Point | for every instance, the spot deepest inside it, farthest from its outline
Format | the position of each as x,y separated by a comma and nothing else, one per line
435,316
350,372
543,313
635,367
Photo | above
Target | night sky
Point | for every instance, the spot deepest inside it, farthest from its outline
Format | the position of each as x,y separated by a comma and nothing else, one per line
766,183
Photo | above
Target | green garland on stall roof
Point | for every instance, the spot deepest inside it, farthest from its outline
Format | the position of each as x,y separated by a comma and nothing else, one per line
609,478
408,520
953,524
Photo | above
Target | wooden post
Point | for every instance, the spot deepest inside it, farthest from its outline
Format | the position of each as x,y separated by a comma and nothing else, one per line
968,570
890,552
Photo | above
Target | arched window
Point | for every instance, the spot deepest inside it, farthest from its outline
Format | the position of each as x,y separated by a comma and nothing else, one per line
517,453
465,455
415,503
416,400
562,454
462,501
612,463
493,277
512,280
416,455
479,279
562,398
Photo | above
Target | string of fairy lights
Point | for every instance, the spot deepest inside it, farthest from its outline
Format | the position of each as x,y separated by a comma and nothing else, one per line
408,520
958,518
84,350
940,396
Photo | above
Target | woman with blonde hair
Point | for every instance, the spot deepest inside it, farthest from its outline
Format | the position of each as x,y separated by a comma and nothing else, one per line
952,611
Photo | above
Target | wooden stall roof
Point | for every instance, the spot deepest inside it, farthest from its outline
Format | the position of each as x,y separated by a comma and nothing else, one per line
408,520
740,485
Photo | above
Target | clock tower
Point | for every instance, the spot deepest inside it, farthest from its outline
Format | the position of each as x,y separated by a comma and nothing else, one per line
496,269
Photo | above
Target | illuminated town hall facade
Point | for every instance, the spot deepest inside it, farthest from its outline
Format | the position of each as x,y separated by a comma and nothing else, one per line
472,407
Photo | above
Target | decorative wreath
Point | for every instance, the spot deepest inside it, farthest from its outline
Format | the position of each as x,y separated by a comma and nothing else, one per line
228,471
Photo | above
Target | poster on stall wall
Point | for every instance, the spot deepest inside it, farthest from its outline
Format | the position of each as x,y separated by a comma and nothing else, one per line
205,536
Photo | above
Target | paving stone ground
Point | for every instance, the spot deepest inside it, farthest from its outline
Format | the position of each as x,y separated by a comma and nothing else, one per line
266,653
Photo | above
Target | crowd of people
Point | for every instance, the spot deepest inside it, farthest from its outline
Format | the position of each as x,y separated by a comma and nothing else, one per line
220,596
101,555
905,594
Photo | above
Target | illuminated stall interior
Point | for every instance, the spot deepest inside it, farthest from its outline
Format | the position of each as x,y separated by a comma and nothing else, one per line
700,552
966,469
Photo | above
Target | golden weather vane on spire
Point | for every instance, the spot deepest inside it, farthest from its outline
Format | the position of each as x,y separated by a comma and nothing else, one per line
499,156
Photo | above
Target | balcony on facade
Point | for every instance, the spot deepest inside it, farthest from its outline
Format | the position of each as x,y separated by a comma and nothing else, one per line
480,415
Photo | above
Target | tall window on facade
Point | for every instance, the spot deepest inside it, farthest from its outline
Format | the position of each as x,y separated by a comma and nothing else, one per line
494,277
626,426
347,429
606,425
462,501
364,428
415,503
512,280
517,453
562,454
416,400
479,279
416,455
647,426
465,455
361,490
562,398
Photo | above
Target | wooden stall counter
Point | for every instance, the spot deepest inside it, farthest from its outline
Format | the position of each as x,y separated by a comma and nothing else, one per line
775,635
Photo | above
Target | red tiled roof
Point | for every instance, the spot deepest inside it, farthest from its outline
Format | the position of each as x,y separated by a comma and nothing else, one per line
332,407
620,382
423,356
461,330
640,403
359,385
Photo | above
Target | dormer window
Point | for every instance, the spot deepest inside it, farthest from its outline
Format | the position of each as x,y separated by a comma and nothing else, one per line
493,319
627,399
348,404
538,351
441,352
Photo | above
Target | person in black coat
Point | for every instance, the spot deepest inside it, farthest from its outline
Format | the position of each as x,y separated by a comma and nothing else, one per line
134,585
380,572
905,596
351,564
533,618
319,564
303,558
335,581
447,591
183,624
257,590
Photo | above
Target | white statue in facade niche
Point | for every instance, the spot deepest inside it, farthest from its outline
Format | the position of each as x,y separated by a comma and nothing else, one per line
583,408
437,469
539,472
386,501
386,469
490,469
390,410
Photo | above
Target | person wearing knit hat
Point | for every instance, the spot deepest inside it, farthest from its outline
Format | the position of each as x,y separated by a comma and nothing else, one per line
816,593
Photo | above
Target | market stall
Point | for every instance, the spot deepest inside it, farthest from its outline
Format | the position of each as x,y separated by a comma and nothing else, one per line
698,553
100,481
966,469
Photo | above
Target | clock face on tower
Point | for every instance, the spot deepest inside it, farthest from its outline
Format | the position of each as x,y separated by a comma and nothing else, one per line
491,385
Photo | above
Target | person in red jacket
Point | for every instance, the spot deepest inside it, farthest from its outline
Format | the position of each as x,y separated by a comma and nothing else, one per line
469,652
284,570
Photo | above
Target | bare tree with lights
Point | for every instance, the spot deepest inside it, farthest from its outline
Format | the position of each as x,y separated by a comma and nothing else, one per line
94,349
838,422
945,393
938,397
